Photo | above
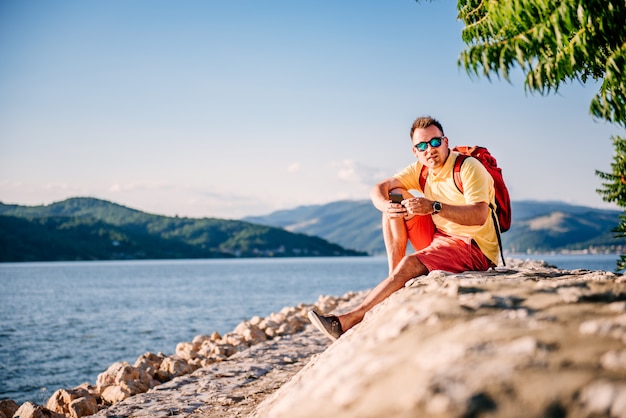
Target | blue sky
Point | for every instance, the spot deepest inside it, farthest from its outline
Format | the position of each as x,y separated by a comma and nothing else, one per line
235,108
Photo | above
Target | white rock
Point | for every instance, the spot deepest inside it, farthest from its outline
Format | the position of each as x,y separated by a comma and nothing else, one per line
114,394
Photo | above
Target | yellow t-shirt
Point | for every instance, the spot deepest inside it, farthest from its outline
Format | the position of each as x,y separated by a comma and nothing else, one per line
477,186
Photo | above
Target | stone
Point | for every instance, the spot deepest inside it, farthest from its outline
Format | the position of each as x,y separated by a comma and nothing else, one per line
604,398
187,351
172,367
133,387
285,329
206,349
271,332
61,399
115,393
126,380
110,376
325,304
83,407
149,362
253,335
125,373
8,407
614,360
199,339
256,320
31,410
223,350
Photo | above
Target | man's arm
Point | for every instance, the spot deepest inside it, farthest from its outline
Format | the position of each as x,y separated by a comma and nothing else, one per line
472,214
380,197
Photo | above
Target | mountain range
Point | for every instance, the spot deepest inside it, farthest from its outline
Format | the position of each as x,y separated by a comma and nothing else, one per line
536,227
94,229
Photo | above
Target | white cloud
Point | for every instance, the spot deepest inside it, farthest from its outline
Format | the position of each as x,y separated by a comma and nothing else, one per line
346,171
293,168
351,171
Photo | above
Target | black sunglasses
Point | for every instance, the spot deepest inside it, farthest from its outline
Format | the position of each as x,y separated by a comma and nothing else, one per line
434,142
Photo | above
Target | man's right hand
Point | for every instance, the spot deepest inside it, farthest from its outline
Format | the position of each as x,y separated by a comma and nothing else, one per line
395,210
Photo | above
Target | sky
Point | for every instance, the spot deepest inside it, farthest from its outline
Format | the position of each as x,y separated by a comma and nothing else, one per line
240,108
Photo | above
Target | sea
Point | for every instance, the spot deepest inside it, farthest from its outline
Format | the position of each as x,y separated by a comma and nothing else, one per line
63,323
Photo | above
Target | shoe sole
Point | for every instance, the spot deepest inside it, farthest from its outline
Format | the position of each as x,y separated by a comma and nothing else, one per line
318,324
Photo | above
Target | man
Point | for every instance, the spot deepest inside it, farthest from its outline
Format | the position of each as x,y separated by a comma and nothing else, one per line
464,237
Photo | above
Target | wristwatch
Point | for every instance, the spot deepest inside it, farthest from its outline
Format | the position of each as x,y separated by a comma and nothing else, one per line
436,207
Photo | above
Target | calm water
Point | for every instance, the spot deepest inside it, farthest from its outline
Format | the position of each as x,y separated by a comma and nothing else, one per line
61,324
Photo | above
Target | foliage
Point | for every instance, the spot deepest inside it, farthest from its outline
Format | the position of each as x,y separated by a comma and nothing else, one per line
556,42
615,182
615,188
553,42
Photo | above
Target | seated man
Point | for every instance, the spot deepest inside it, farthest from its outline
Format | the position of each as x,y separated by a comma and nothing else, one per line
464,237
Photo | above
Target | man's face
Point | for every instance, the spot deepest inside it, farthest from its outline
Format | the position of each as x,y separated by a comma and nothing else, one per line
432,157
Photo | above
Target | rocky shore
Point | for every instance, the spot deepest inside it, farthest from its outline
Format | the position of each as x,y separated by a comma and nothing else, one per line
526,341
204,374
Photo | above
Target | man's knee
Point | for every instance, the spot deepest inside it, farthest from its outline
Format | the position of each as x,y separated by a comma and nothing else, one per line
395,228
409,267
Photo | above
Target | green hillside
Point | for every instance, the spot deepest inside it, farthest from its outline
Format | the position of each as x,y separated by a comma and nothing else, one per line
93,229
536,226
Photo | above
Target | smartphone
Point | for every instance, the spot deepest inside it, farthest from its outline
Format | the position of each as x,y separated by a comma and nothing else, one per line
396,197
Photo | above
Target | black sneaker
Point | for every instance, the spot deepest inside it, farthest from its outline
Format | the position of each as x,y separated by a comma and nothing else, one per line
329,325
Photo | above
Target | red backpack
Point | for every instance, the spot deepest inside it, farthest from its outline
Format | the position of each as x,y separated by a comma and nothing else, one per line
502,216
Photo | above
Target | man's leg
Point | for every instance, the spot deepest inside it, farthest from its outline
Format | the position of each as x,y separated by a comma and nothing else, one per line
408,268
395,235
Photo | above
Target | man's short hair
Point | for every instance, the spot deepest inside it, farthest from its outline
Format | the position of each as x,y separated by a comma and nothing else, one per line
424,122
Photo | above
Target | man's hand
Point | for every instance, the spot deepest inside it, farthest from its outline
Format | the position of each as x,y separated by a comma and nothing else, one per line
418,206
396,210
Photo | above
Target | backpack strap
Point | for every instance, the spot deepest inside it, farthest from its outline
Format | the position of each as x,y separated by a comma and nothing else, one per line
423,177
497,227
457,171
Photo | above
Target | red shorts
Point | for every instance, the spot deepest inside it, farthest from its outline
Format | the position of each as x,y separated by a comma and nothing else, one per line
420,230
452,253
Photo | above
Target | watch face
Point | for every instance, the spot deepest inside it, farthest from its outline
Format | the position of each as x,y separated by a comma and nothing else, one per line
436,207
